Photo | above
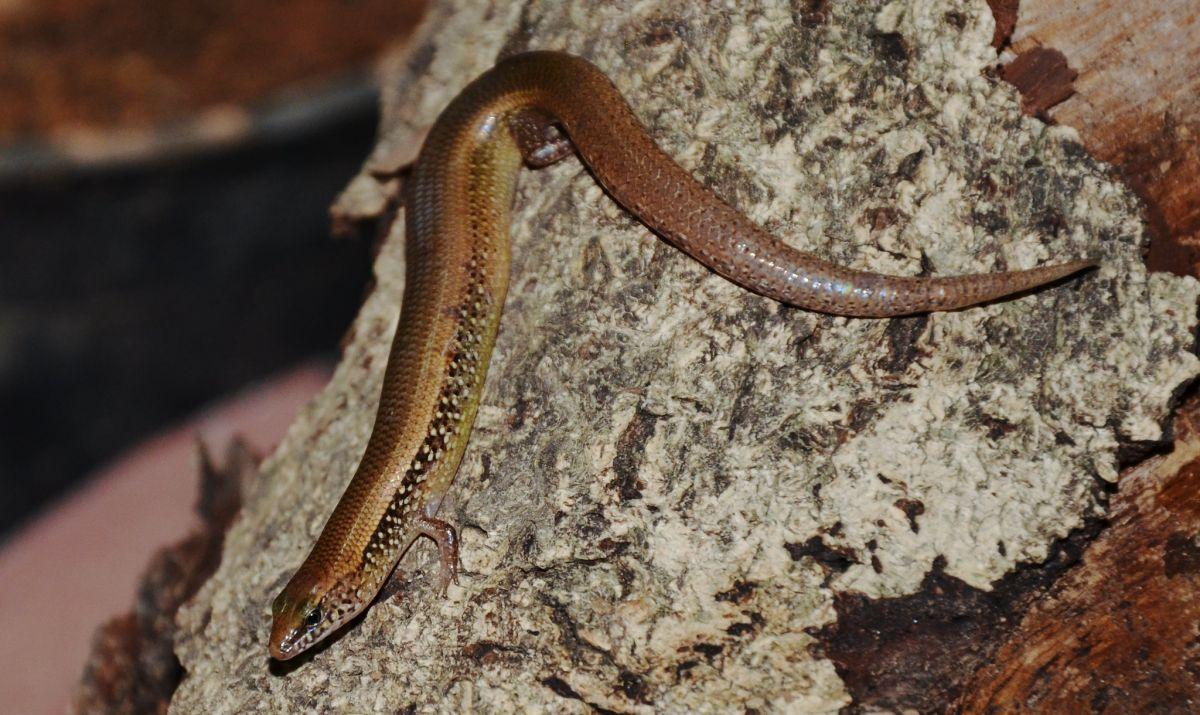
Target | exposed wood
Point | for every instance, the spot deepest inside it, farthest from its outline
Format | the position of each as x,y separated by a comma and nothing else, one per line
1004,13
918,651
1121,634
673,485
1042,76
1136,103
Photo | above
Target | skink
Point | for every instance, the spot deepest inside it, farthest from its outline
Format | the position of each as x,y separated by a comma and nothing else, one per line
534,108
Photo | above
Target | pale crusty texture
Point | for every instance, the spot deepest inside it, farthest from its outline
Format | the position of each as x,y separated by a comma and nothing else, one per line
651,437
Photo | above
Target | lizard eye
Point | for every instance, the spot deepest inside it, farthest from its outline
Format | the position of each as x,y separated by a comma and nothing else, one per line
313,618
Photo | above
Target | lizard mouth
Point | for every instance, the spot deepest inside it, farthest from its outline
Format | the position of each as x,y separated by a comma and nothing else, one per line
286,645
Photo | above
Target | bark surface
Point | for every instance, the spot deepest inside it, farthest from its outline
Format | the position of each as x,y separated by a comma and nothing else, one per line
1135,100
657,450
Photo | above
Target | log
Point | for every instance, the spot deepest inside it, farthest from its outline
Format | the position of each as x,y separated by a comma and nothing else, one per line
1135,103
672,482
1118,633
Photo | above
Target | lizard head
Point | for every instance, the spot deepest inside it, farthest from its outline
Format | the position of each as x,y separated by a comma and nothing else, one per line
308,610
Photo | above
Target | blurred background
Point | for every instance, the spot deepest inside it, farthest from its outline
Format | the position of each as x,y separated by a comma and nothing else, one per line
165,175
167,276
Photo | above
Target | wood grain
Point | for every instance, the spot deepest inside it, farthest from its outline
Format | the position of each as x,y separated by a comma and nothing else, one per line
1121,633
1136,103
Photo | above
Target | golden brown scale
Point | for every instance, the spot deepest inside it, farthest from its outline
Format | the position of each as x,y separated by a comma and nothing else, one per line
536,106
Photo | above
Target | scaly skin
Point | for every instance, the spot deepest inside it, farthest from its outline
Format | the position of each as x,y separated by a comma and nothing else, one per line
535,107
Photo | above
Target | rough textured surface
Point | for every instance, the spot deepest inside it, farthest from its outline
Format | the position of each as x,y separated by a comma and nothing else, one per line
1136,103
919,651
1132,645
1043,78
1118,634
656,446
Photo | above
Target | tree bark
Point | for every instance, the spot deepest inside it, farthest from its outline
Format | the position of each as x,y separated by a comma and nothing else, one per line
1118,632
1135,103
673,481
